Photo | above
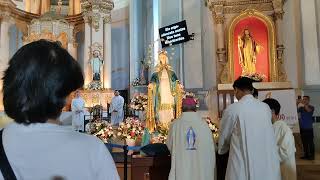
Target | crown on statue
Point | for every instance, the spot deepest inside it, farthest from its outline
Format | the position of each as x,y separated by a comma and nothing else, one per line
163,52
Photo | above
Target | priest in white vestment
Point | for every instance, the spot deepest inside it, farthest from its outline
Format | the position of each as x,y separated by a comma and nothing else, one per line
247,133
191,145
285,142
77,108
116,108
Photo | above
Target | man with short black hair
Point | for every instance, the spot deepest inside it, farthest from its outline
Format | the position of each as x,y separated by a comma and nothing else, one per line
285,142
247,133
306,127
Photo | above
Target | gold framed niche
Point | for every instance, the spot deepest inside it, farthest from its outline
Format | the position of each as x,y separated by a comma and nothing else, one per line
273,65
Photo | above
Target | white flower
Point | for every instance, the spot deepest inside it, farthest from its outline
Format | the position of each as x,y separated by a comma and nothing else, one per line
119,134
128,125
128,137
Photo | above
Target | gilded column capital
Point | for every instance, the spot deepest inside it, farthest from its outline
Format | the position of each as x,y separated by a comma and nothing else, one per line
278,15
278,9
218,19
6,17
218,14
107,19
75,45
94,10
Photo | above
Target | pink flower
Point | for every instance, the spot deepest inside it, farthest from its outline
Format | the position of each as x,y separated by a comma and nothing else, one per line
132,133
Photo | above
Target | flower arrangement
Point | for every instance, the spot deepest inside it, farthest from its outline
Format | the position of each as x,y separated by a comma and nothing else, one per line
255,76
139,102
137,82
192,95
94,85
213,127
161,136
101,129
131,128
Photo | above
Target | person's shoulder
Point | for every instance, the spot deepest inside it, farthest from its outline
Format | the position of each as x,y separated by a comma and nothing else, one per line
233,108
262,104
283,126
85,139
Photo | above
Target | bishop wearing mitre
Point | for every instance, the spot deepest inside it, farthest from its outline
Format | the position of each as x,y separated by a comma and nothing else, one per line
164,95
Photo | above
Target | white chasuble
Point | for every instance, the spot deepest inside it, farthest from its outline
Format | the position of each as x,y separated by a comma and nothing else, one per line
116,109
192,148
286,150
247,133
77,108
166,113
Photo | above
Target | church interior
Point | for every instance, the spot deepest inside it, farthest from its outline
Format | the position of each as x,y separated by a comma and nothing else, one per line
204,45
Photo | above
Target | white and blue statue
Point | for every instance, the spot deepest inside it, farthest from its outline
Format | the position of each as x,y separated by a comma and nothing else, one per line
191,139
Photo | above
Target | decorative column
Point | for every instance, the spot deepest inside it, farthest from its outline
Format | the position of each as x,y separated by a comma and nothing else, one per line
98,30
74,7
45,6
35,6
218,17
72,49
278,16
136,38
4,44
71,7
107,51
27,5
87,53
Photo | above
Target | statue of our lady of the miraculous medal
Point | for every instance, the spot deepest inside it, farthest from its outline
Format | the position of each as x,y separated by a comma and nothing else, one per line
164,95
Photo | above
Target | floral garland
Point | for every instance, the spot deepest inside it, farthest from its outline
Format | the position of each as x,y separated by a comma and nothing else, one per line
101,129
137,82
161,135
131,128
94,85
255,76
139,102
213,127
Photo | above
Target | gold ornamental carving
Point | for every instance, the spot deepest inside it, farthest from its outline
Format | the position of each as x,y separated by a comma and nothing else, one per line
239,6
278,15
107,19
218,19
94,10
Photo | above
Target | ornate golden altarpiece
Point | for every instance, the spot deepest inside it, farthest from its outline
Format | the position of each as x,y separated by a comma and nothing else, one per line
52,27
55,28
227,14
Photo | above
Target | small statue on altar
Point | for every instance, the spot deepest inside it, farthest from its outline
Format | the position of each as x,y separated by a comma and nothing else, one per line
164,95
96,63
59,7
248,50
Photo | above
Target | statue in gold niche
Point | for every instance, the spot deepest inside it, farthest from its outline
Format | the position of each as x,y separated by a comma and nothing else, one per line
248,51
164,95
